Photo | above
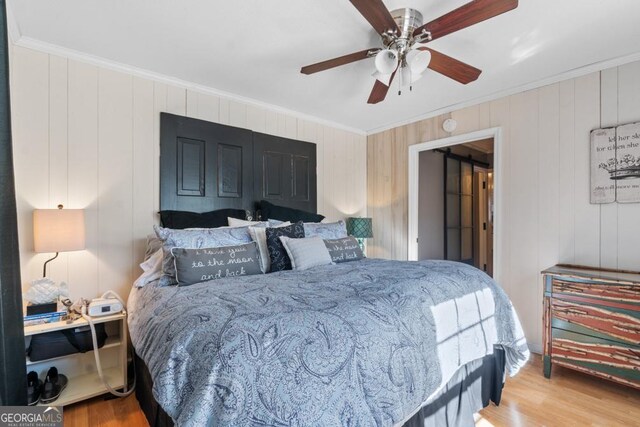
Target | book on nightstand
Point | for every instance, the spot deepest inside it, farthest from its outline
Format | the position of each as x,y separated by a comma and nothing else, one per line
38,319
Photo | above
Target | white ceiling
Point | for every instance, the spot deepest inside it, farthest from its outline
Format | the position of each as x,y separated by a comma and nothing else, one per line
255,48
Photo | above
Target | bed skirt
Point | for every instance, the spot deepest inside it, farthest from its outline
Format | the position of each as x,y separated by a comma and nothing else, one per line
473,387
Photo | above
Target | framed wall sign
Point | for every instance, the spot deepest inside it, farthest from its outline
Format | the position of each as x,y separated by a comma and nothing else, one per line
615,164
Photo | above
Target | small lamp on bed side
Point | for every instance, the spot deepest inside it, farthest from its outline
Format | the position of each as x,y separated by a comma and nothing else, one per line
58,230
360,228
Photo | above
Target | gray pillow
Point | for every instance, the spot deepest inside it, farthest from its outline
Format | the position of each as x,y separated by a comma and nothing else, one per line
344,250
200,265
195,238
306,252
326,230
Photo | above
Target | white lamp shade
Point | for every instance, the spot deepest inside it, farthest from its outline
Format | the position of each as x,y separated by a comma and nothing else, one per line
386,61
418,60
415,77
58,230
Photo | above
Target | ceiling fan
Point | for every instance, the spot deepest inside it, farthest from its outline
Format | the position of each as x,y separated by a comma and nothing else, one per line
404,39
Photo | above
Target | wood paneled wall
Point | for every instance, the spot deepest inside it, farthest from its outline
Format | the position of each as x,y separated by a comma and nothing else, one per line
545,167
387,182
88,137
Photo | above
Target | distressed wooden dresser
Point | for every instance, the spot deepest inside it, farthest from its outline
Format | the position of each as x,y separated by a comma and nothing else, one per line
591,322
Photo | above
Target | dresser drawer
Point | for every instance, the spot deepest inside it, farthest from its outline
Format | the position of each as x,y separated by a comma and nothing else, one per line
612,323
629,293
596,356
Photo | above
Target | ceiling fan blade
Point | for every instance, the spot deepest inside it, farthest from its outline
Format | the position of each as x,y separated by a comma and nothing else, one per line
452,68
379,91
377,14
465,16
336,62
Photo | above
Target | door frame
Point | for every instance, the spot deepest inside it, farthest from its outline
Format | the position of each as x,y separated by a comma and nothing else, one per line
414,182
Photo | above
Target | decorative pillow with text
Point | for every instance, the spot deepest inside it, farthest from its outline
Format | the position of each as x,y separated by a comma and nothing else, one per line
204,264
195,239
344,250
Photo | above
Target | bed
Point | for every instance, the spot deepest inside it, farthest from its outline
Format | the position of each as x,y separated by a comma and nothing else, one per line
367,342
362,343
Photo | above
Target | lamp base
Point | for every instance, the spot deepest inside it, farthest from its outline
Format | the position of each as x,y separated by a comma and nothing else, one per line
44,269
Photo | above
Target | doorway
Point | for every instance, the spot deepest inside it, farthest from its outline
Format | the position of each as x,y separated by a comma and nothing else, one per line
453,190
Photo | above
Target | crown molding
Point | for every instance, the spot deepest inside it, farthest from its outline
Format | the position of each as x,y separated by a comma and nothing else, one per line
567,75
19,40
13,29
49,48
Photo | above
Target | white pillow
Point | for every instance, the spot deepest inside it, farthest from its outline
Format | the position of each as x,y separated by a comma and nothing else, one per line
235,222
259,235
306,253
151,269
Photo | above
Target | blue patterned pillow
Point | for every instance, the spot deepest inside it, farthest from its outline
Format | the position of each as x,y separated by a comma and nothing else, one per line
277,253
328,230
195,238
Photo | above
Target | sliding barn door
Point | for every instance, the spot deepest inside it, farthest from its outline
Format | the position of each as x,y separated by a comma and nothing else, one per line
459,225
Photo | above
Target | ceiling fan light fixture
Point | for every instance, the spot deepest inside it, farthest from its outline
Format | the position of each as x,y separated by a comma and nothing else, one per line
415,77
418,60
386,61
403,31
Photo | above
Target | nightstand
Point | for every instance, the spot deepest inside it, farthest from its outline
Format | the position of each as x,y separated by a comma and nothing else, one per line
80,368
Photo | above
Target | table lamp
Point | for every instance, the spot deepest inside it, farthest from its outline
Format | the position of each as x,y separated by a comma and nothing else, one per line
360,228
58,230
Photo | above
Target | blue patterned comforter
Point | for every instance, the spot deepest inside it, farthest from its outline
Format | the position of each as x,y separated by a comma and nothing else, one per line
355,344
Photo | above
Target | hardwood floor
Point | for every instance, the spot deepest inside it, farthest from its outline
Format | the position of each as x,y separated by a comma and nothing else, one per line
98,412
568,399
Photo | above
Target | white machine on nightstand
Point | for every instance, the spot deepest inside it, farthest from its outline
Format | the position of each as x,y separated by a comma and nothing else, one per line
104,307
